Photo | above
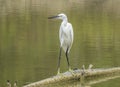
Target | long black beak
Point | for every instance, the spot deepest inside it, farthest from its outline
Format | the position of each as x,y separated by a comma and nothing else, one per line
53,17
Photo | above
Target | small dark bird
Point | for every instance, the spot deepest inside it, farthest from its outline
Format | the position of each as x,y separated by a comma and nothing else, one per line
8,83
15,84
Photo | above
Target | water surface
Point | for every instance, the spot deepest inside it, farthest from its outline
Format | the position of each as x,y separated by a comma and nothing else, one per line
29,42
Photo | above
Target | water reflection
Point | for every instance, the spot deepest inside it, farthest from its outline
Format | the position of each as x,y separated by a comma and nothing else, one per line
68,84
29,42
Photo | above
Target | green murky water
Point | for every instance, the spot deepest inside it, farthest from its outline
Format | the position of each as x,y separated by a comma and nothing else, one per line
29,42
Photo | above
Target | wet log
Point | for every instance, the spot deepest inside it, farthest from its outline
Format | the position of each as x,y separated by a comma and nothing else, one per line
77,74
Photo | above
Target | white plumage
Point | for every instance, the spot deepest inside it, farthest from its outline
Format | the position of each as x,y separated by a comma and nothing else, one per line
65,36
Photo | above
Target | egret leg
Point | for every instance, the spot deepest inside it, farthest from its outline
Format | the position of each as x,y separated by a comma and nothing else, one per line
68,60
58,72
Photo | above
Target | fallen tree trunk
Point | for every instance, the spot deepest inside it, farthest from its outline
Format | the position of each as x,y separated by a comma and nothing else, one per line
78,75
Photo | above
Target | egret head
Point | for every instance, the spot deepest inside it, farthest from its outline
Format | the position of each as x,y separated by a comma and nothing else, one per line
59,16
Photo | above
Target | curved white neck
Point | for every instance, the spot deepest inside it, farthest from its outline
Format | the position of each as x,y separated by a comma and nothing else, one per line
65,21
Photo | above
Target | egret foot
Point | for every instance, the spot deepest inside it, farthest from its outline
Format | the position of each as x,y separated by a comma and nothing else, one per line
58,72
71,71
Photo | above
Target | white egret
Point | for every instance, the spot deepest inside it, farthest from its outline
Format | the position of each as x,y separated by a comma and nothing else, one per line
65,36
